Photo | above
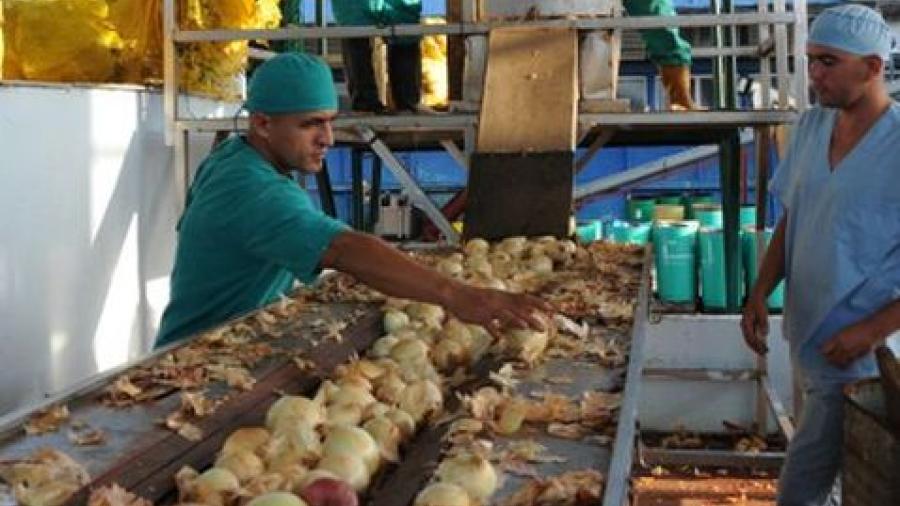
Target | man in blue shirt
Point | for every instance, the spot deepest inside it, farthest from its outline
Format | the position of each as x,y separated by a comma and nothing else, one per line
248,230
838,243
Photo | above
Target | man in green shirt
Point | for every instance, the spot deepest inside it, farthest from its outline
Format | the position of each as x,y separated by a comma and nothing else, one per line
248,230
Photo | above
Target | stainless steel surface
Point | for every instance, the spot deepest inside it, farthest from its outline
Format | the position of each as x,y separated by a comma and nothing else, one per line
619,474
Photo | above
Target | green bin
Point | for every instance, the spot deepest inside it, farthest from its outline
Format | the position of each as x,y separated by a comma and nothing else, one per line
670,199
709,215
692,201
713,284
641,209
623,232
751,265
675,251
590,232
747,216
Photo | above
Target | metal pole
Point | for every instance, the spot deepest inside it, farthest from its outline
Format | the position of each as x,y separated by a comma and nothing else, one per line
322,21
170,83
729,169
356,166
375,194
326,193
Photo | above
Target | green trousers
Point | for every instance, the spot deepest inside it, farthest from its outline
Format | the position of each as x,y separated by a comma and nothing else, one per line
665,46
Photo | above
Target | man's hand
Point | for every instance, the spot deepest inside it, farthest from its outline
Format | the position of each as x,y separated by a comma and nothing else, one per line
755,324
850,344
496,310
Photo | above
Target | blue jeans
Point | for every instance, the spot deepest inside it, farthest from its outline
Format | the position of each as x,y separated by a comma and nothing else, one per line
813,462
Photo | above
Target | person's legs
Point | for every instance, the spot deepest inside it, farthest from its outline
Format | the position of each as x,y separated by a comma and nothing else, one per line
360,75
813,459
405,74
668,50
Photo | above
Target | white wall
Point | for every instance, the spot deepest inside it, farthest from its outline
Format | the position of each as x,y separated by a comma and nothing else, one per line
89,204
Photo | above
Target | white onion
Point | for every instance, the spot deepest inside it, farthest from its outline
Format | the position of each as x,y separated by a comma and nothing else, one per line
527,344
449,267
403,420
243,464
442,494
448,354
389,387
476,246
421,399
300,444
386,435
215,483
351,394
471,472
430,314
376,409
409,351
344,414
540,264
394,320
480,265
354,441
382,347
515,246
290,410
347,467
277,499
246,439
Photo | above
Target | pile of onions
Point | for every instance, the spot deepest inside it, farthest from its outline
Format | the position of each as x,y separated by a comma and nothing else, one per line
442,494
471,472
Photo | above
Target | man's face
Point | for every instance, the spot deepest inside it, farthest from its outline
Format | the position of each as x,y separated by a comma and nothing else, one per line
839,78
298,141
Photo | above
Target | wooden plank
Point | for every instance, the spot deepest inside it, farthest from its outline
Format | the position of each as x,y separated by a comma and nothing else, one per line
530,101
519,194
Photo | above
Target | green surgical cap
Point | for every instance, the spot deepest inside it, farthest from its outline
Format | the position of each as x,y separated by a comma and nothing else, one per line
292,82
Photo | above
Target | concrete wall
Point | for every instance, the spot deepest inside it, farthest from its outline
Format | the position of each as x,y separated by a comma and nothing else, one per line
88,204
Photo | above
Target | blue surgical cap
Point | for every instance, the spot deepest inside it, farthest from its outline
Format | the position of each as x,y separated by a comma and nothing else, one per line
292,82
852,28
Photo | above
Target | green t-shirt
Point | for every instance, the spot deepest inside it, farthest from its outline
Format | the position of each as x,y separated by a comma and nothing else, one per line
246,233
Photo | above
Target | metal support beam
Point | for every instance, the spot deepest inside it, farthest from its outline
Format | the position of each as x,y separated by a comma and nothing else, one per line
170,78
465,28
602,138
374,195
729,170
668,457
326,192
416,195
356,184
706,374
461,159
781,416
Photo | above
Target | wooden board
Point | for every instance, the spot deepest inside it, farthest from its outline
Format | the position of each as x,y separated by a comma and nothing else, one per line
530,101
519,194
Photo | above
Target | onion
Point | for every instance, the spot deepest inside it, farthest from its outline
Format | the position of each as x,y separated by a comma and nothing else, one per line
382,347
471,472
291,410
480,265
217,480
316,474
528,345
277,499
264,484
326,390
540,264
248,439
410,351
448,354
355,380
386,435
429,314
347,467
389,387
511,417
421,399
344,414
394,320
243,464
375,409
351,394
515,246
299,444
450,267
329,492
457,331
345,439
476,247
403,420
442,494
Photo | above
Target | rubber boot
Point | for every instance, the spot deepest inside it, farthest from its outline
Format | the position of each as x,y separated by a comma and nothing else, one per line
676,80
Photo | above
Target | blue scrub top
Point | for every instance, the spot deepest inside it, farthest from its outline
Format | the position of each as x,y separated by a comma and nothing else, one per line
246,234
842,256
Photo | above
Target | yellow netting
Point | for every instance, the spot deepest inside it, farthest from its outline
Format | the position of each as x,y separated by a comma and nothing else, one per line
121,41
435,88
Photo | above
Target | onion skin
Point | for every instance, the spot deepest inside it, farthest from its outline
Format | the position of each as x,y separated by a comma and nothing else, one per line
329,492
